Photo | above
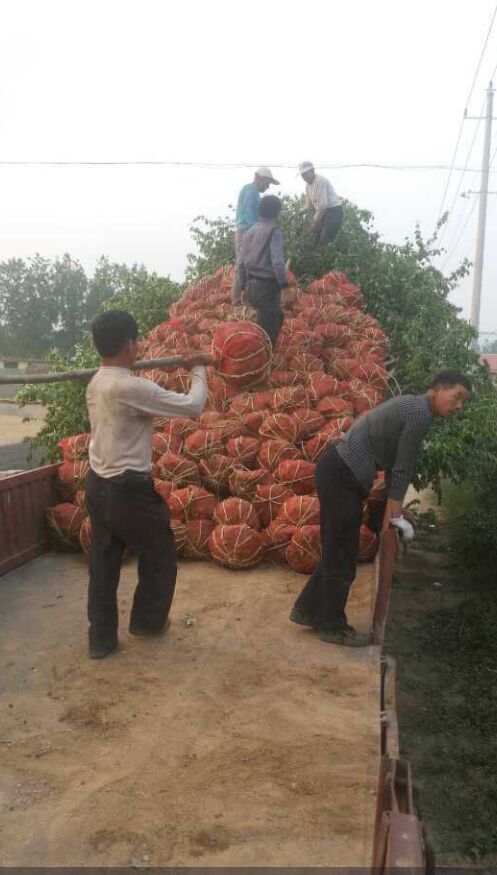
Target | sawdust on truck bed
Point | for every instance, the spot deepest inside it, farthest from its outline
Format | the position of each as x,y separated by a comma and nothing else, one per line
238,739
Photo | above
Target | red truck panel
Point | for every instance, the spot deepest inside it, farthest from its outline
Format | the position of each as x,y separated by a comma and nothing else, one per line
24,498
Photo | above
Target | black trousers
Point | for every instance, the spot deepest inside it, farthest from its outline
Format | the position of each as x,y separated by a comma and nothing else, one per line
125,511
341,500
332,222
265,298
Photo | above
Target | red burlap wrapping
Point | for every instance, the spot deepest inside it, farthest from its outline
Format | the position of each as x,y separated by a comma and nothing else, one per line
273,452
250,402
75,447
279,426
373,373
164,488
253,421
181,426
243,483
321,385
216,471
85,536
338,425
302,510
163,443
236,546
368,544
269,499
304,363
210,417
72,475
244,449
178,529
298,476
202,444
198,533
65,520
242,352
233,511
80,498
304,550
308,421
179,470
315,447
283,378
288,398
192,503
330,406
228,428
279,536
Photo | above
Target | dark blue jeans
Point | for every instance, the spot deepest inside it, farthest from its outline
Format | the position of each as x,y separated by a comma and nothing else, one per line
341,500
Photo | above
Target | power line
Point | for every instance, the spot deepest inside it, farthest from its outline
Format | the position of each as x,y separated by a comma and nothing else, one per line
463,172
456,242
211,165
481,57
461,125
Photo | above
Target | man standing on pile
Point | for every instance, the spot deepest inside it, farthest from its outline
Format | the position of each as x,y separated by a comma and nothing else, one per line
261,270
323,199
247,213
388,438
125,510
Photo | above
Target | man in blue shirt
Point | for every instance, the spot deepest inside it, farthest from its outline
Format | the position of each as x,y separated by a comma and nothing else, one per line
247,214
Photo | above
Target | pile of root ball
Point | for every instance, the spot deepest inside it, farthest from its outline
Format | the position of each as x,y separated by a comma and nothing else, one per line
240,481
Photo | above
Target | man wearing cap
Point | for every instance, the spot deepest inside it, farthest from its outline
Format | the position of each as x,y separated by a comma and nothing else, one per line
323,199
247,213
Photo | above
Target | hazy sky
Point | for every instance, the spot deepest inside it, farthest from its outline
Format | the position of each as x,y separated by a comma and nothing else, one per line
215,81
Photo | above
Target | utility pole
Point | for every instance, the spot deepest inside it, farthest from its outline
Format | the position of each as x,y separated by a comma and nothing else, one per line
482,214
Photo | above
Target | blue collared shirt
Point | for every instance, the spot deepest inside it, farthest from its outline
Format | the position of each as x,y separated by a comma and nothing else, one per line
247,208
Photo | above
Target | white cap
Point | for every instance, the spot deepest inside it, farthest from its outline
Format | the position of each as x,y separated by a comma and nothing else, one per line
305,166
266,173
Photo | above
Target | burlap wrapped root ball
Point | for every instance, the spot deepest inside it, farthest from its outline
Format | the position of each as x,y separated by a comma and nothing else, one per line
191,503
75,447
237,546
180,470
198,533
297,475
304,550
269,500
279,536
233,511
242,353
65,521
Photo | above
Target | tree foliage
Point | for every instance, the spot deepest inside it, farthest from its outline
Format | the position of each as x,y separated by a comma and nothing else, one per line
48,305
147,297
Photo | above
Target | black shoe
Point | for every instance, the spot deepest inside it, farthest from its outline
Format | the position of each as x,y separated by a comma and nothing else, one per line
300,618
99,649
143,631
347,637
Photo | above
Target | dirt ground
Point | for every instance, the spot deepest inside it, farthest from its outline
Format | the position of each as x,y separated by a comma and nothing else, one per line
237,739
13,428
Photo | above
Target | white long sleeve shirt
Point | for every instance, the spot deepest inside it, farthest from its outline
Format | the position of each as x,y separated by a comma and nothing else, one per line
321,195
122,409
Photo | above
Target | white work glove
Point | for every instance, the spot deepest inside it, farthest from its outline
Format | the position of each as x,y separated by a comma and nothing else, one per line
406,531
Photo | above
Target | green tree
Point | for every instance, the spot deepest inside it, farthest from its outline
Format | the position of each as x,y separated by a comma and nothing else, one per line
69,287
147,297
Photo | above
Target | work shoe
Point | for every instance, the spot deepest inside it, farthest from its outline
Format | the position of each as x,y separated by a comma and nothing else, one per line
300,618
143,631
347,637
99,649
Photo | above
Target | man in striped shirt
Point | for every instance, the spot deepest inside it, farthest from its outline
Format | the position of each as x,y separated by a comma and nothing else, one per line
388,439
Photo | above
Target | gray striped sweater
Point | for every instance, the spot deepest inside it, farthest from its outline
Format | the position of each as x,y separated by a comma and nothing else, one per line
388,438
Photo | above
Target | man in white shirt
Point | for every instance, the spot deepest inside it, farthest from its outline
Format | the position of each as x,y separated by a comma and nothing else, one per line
323,199
125,510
